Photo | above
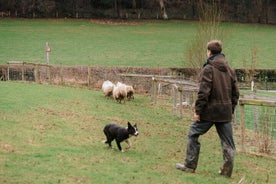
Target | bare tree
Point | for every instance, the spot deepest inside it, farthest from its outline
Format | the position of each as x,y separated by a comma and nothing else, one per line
163,9
262,9
208,28
118,8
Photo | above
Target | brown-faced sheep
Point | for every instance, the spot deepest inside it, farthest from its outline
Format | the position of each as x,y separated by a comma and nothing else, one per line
130,92
119,92
107,88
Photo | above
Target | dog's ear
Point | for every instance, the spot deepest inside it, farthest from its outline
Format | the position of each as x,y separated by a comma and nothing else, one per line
128,123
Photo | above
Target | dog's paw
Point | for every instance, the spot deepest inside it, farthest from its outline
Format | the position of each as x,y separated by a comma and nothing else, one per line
127,147
122,151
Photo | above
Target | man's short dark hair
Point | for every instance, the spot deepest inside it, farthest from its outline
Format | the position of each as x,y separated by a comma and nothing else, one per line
215,46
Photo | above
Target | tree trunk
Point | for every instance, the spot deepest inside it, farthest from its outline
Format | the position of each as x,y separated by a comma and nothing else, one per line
134,4
163,9
118,8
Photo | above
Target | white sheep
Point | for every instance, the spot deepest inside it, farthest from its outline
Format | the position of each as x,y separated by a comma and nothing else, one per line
130,92
107,88
119,92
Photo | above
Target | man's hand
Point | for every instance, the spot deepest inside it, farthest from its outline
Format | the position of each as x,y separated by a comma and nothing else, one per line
196,117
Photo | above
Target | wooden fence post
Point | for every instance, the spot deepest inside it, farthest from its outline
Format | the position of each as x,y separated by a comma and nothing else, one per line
8,74
36,72
174,99
242,124
61,75
88,76
49,74
154,91
22,72
180,102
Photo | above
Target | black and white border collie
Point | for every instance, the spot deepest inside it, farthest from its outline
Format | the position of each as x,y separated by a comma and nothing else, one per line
114,131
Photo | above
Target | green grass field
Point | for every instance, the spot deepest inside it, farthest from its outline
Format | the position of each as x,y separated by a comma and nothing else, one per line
144,43
53,134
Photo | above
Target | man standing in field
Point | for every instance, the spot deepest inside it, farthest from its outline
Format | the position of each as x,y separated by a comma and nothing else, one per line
216,101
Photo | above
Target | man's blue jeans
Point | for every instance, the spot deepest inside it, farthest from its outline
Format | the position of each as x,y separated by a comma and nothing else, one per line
225,133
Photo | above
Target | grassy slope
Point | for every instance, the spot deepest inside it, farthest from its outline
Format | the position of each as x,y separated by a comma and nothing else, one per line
51,134
149,44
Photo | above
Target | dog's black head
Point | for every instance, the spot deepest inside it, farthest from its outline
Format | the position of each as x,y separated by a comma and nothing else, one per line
132,130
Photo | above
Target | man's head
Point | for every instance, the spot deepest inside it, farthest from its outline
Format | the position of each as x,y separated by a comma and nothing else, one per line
214,47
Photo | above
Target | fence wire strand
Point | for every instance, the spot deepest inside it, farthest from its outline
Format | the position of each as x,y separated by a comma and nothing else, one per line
260,129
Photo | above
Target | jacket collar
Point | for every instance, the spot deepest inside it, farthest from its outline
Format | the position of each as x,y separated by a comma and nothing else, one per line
211,58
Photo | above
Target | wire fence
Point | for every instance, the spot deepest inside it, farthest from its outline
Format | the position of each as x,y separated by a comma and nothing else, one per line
255,118
175,93
43,73
81,76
